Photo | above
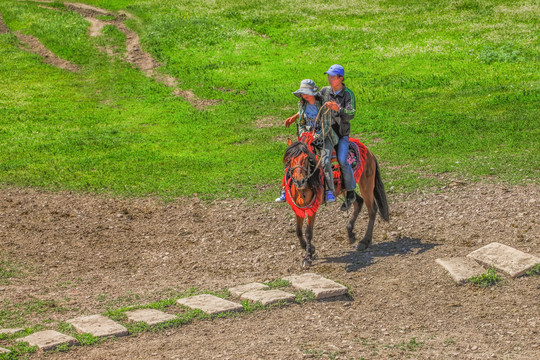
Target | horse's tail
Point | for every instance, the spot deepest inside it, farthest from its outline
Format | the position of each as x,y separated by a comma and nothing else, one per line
380,195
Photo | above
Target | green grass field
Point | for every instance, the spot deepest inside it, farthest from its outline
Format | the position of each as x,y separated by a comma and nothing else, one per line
441,86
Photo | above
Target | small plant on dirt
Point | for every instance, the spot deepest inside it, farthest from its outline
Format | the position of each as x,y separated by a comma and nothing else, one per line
18,350
413,345
303,296
277,284
486,280
534,271
251,307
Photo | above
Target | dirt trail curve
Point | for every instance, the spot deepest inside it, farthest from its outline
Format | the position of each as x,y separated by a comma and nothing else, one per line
134,52
33,44
3,28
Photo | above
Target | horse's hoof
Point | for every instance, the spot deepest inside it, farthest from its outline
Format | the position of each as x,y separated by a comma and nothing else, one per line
361,246
306,263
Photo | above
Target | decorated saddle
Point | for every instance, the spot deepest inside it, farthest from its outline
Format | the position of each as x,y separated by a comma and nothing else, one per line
356,157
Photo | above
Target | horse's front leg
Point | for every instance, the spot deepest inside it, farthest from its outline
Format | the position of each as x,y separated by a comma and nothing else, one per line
299,233
310,248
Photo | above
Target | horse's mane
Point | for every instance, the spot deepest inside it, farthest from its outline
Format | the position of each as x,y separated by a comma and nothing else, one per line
298,148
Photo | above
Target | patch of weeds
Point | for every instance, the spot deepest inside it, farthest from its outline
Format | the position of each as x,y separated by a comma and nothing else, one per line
449,341
303,296
9,270
534,271
250,307
414,345
488,279
88,339
117,314
505,53
278,284
137,327
63,348
19,350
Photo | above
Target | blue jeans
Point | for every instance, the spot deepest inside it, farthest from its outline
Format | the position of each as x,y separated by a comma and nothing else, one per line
342,150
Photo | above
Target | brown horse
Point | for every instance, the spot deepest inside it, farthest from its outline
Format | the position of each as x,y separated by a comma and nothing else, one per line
305,194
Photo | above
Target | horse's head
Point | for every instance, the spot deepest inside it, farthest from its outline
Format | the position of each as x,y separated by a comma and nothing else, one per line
302,165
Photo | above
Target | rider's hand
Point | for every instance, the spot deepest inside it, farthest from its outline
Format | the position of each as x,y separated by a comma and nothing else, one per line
332,105
290,120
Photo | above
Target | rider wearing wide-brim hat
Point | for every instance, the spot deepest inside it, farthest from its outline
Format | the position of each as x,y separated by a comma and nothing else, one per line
309,105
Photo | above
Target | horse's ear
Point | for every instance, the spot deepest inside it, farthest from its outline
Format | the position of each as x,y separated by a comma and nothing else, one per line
289,142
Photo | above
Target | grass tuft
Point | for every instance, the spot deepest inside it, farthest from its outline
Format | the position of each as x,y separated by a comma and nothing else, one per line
488,279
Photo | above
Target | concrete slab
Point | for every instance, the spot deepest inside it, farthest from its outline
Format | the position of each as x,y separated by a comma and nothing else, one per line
210,304
9,331
149,316
505,258
48,339
321,286
4,351
98,326
267,297
239,290
461,268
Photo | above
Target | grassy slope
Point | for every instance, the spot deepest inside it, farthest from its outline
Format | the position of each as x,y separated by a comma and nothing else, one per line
442,86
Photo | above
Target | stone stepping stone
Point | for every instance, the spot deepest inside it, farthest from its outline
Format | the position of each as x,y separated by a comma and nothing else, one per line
48,339
98,326
461,268
505,258
239,290
9,331
320,286
4,351
149,316
210,304
267,297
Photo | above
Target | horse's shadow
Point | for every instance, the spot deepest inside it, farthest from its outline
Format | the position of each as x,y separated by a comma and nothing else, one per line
356,260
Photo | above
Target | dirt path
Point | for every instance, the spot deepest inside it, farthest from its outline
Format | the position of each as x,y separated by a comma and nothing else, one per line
134,52
87,253
33,44
3,28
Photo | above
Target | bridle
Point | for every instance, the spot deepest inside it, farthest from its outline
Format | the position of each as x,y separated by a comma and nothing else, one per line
301,184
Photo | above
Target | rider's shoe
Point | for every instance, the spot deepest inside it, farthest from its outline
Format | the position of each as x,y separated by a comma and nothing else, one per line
281,198
349,200
330,197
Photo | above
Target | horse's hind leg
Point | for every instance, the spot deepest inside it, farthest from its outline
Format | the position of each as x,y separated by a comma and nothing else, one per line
350,226
367,184
372,213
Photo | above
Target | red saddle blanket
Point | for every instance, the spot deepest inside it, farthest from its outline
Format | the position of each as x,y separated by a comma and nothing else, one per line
356,157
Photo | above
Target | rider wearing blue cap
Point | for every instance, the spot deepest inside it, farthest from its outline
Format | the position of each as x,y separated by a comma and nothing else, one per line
340,99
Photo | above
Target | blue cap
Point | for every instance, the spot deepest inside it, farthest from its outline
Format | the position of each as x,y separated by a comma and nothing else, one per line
336,70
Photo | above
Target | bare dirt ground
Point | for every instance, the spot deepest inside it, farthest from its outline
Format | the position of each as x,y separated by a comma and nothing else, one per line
85,253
